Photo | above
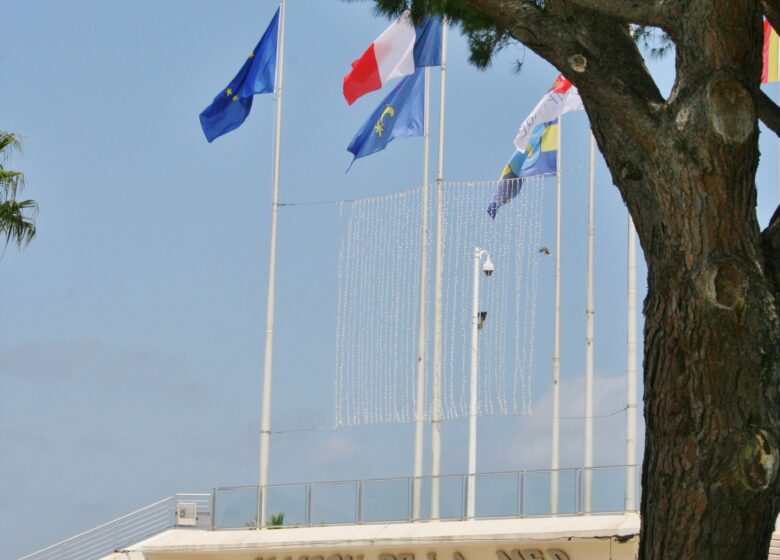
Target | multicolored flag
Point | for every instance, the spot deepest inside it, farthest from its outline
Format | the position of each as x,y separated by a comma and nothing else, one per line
399,115
539,157
771,55
395,53
536,142
231,106
542,150
561,98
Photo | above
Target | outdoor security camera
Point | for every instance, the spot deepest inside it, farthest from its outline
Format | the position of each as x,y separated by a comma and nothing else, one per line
488,268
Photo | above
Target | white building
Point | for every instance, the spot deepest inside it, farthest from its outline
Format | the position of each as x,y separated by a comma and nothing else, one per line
372,520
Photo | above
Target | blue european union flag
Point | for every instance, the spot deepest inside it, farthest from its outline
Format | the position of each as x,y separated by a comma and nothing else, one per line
231,106
399,115
427,46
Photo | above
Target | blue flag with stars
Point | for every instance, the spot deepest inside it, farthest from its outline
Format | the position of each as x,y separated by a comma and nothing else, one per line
231,105
399,115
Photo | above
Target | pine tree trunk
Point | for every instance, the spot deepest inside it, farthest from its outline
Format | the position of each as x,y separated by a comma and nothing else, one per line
686,167
711,366
712,335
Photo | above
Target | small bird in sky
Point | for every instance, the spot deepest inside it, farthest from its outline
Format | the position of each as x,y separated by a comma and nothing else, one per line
544,250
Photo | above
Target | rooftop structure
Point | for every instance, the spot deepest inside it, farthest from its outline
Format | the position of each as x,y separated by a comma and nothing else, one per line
545,538
372,519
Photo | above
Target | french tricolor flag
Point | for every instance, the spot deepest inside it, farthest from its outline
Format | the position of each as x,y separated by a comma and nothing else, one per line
395,53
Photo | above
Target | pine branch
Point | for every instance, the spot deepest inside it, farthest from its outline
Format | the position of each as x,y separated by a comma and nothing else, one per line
654,13
597,53
768,111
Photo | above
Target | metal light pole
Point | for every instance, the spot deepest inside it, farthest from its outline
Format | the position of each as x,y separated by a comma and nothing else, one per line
475,326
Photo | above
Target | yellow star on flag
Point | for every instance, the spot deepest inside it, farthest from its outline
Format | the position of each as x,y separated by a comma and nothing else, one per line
228,91
251,55
235,98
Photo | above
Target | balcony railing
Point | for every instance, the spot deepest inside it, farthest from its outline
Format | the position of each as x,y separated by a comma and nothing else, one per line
386,500
389,500
123,531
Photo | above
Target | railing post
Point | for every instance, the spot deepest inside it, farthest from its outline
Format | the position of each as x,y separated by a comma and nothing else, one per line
578,491
409,493
213,509
464,484
260,497
308,505
520,493
637,476
359,504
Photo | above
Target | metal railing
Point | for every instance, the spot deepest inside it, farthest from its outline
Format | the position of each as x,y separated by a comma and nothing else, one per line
385,500
389,500
123,531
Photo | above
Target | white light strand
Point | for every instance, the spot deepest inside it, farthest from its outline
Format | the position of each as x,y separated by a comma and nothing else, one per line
338,377
506,354
378,295
533,300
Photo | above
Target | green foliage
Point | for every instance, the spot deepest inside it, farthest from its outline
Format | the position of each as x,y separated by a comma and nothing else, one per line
486,37
653,41
276,519
17,223
11,182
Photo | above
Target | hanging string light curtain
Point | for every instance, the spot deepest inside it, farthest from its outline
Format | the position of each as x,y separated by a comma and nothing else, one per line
378,294
509,297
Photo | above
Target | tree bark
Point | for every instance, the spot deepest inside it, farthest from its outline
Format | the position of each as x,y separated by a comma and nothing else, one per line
712,336
711,352
686,169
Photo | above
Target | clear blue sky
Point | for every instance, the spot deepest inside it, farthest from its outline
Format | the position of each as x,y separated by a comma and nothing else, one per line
131,335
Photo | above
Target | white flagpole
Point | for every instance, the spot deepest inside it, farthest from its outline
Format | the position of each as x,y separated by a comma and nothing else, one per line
556,358
589,381
436,386
265,425
419,413
631,377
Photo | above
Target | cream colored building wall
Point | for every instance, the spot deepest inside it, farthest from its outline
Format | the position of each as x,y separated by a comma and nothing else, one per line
596,537
589,549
